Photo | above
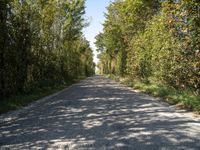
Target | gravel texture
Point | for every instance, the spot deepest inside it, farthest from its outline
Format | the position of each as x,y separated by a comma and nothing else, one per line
99,114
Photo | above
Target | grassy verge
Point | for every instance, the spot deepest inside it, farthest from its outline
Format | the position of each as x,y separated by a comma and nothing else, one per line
183,99
16,102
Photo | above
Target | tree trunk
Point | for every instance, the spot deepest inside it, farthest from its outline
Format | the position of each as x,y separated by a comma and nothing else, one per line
3,40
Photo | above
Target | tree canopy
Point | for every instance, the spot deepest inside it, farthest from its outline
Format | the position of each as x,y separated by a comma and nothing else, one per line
42,43
152,40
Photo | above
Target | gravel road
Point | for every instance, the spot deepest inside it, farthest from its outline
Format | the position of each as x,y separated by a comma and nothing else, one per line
99,114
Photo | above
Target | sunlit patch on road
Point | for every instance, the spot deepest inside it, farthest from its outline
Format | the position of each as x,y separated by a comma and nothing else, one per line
93,117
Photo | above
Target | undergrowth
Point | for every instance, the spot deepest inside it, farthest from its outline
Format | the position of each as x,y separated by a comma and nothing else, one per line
185,99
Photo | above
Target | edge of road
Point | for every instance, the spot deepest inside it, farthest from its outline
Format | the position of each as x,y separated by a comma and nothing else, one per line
183,112
13,115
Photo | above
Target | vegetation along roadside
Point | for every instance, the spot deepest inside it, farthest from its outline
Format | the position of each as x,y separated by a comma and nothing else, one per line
183,99
156,44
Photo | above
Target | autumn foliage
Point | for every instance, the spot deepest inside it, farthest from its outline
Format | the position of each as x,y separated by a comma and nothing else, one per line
153,40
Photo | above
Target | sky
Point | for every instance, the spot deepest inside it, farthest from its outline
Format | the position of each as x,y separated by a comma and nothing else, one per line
95,10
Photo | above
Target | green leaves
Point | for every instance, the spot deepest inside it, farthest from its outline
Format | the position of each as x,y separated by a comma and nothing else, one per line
153,39
42,43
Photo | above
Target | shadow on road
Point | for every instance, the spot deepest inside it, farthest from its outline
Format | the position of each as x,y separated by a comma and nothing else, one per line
101,114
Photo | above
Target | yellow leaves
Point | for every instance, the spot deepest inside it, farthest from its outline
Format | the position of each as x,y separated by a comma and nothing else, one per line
177,6
170,21
183,13
161,44
185,30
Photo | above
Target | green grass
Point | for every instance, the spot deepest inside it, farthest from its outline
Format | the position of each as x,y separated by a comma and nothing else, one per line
16,102
185,99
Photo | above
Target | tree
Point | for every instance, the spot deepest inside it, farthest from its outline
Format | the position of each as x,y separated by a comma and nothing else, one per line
42,44
153,41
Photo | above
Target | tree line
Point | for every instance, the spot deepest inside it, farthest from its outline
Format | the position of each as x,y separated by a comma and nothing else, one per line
42,44
152,40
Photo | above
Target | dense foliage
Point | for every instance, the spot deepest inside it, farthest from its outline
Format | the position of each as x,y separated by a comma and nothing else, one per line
155,40
41,44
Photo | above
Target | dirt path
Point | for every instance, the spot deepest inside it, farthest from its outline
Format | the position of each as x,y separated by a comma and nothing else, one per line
98,113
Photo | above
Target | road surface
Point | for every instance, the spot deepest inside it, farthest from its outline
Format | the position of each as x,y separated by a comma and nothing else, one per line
99,114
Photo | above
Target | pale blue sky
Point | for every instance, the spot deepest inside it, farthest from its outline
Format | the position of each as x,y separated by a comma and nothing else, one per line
95,14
